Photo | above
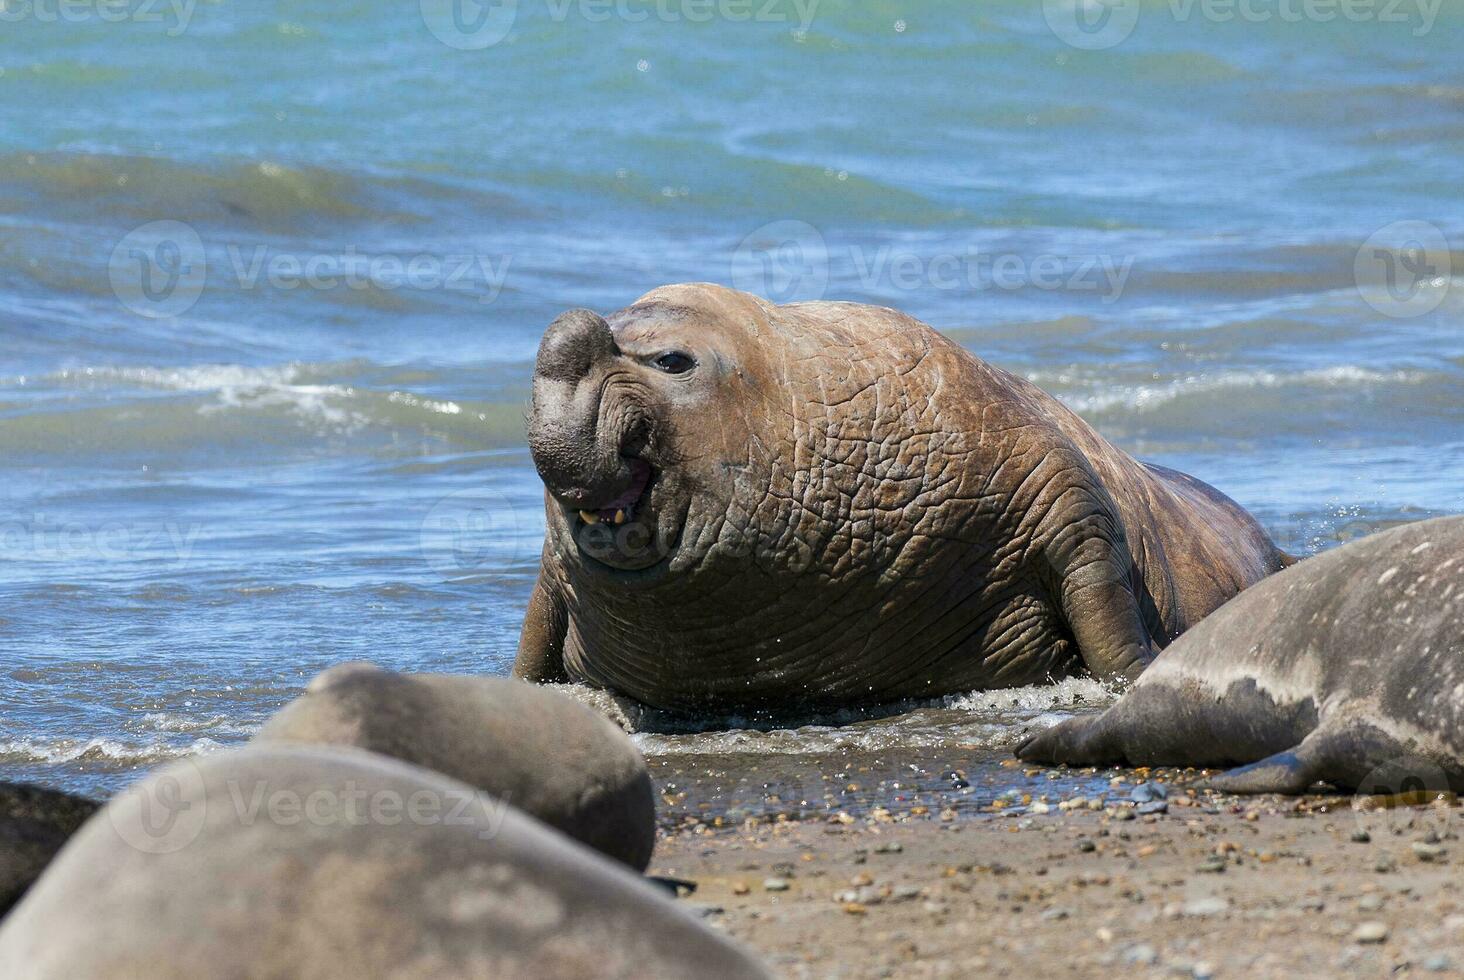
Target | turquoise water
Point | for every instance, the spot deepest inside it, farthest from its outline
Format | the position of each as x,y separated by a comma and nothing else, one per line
283,427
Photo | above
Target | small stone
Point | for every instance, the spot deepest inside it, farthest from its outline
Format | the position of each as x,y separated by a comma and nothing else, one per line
1370,932
1204,907
1361,836
889,847
1086,845
1212,865
1426,852
905,893
1149,792
1124,813
1055,915
703,911
1156,806
854,908
775,884
1370,903
740,888
1438,963
1203,971
1140,955
1385,864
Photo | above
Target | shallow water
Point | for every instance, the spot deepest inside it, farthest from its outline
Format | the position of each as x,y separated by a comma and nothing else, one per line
214,486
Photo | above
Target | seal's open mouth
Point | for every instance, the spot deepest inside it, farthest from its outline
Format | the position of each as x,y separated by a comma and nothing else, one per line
622,508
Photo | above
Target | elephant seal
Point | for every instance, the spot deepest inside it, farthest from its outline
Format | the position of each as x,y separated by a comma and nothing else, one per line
35,823
821,504
1346,666
548,755
323,862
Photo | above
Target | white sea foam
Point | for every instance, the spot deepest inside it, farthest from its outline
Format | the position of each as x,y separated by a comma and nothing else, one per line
99,750
1146,397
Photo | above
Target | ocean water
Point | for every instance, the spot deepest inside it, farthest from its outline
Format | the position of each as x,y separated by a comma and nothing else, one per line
272,275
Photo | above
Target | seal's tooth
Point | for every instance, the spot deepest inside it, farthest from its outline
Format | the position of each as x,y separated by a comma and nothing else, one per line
589,517
620,517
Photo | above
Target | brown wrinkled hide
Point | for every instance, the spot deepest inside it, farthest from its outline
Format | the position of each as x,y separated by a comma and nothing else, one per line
846,507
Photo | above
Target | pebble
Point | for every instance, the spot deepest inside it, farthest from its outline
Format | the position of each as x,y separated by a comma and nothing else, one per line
1149,792
1202,907
1203,971
703,911
889,847
1384,864
1156,806
1124,813
740,888
1086,845
1370,932
1426,852
1142,955
1438,963
1361,837
904,893
775,884
1370,903
1212,865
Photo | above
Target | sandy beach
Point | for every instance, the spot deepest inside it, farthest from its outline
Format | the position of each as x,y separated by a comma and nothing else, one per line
1200,885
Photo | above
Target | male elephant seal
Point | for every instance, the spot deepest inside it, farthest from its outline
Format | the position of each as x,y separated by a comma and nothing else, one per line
543,752
1349,664
320,863
752,505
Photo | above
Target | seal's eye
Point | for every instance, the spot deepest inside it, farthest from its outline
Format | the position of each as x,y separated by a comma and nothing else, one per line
674,362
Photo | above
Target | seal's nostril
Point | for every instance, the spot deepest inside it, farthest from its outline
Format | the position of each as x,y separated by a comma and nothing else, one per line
572,344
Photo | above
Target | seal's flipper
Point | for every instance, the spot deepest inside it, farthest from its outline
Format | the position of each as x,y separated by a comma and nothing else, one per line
1291,772
1075,742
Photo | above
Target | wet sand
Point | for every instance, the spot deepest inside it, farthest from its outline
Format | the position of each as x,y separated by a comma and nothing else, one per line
1084,883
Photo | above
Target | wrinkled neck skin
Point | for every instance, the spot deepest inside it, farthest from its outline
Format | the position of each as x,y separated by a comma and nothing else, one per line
808,563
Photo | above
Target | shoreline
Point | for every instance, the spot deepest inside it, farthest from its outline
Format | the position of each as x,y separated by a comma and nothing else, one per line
1208,886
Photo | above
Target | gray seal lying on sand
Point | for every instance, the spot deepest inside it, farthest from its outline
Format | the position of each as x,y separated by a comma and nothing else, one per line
1349,665
763,506
541,751
320,863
